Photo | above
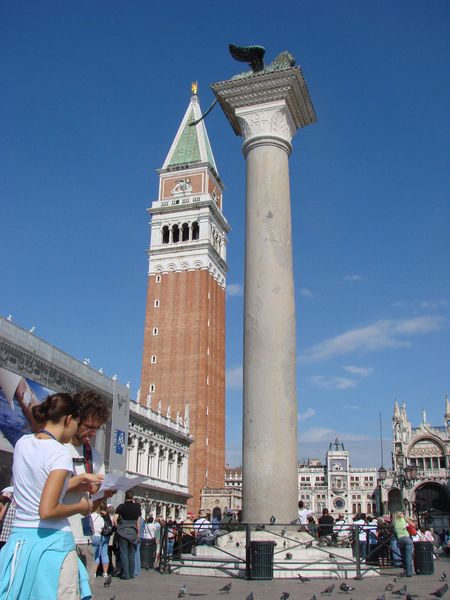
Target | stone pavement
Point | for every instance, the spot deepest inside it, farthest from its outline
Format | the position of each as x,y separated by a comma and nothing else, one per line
154,586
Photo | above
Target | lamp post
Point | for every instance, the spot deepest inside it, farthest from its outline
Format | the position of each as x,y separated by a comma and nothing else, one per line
382,472
403,479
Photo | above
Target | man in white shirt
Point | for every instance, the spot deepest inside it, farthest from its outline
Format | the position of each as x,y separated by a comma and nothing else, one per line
93,415
303,513
202,528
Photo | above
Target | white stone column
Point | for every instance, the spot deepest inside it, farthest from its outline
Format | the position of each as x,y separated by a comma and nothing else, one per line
133,455
266,109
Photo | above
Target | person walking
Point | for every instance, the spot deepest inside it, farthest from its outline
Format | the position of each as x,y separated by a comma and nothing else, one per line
39,560
405,543
148,544
100,541
361,535
127,529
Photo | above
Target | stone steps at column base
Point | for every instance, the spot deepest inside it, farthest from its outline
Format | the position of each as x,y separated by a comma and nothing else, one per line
224,566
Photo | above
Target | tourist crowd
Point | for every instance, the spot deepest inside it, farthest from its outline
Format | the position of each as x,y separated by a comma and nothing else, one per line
54,537
383,541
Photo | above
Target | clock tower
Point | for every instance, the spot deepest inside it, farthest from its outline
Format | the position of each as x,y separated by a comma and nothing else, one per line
183,364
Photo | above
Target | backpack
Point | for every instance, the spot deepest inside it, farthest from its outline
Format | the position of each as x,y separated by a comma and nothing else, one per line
108,527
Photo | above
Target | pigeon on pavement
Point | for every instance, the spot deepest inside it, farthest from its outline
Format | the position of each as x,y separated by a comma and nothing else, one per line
303,579
440,591
284,596
443,577
401,592
389,587
226,588
382,597
346,588
182,592
250,596
328,591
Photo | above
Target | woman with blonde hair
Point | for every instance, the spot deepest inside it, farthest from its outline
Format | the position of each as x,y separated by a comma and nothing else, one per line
405,543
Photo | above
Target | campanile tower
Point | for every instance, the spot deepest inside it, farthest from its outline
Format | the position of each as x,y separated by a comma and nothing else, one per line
183,366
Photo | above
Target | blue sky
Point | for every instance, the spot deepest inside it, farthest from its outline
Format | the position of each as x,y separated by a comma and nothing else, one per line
93,93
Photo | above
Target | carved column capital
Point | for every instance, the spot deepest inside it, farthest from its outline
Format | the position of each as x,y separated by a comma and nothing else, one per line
270,120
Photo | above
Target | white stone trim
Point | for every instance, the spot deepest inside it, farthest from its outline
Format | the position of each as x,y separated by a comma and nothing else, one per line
169,264
262,88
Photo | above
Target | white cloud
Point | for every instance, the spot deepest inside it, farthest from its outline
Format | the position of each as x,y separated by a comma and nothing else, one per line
235,289
333,383
305,293
307,414
234,378
327,434
377,336
440,303
360,371
422,304
354,277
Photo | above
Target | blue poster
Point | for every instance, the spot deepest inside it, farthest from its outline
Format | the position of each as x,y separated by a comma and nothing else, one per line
119,441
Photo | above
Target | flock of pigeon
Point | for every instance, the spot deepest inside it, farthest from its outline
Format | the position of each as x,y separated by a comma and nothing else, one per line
328,591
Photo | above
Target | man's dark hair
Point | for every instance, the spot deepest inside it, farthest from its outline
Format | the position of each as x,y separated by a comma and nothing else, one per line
92,405
325,511
129,495
300,503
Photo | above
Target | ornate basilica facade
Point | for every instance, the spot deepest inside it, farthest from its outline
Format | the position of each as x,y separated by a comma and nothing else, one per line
419,480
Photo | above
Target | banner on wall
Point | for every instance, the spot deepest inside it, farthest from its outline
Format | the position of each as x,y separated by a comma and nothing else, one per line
119,429
17,397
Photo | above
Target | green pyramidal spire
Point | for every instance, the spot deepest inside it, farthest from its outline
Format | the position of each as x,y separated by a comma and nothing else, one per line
191,144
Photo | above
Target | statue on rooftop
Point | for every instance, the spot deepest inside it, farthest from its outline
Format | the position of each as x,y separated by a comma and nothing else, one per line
254,55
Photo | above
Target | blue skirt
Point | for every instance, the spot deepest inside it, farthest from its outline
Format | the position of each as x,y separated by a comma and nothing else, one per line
30,564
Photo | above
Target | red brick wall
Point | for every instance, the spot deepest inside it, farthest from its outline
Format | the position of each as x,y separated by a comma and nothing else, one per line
184,372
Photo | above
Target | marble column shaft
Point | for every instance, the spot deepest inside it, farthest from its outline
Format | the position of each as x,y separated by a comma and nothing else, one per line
266,109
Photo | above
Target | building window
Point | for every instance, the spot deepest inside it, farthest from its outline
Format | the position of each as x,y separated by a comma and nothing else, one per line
165,234
156,303
158,279
152,388
185,232
153,359
195,230
155,331
175,234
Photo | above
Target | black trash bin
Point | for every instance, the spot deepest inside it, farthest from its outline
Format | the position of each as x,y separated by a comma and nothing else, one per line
148,551
423,558
261,559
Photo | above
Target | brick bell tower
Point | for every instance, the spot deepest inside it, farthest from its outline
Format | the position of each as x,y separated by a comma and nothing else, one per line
183,366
